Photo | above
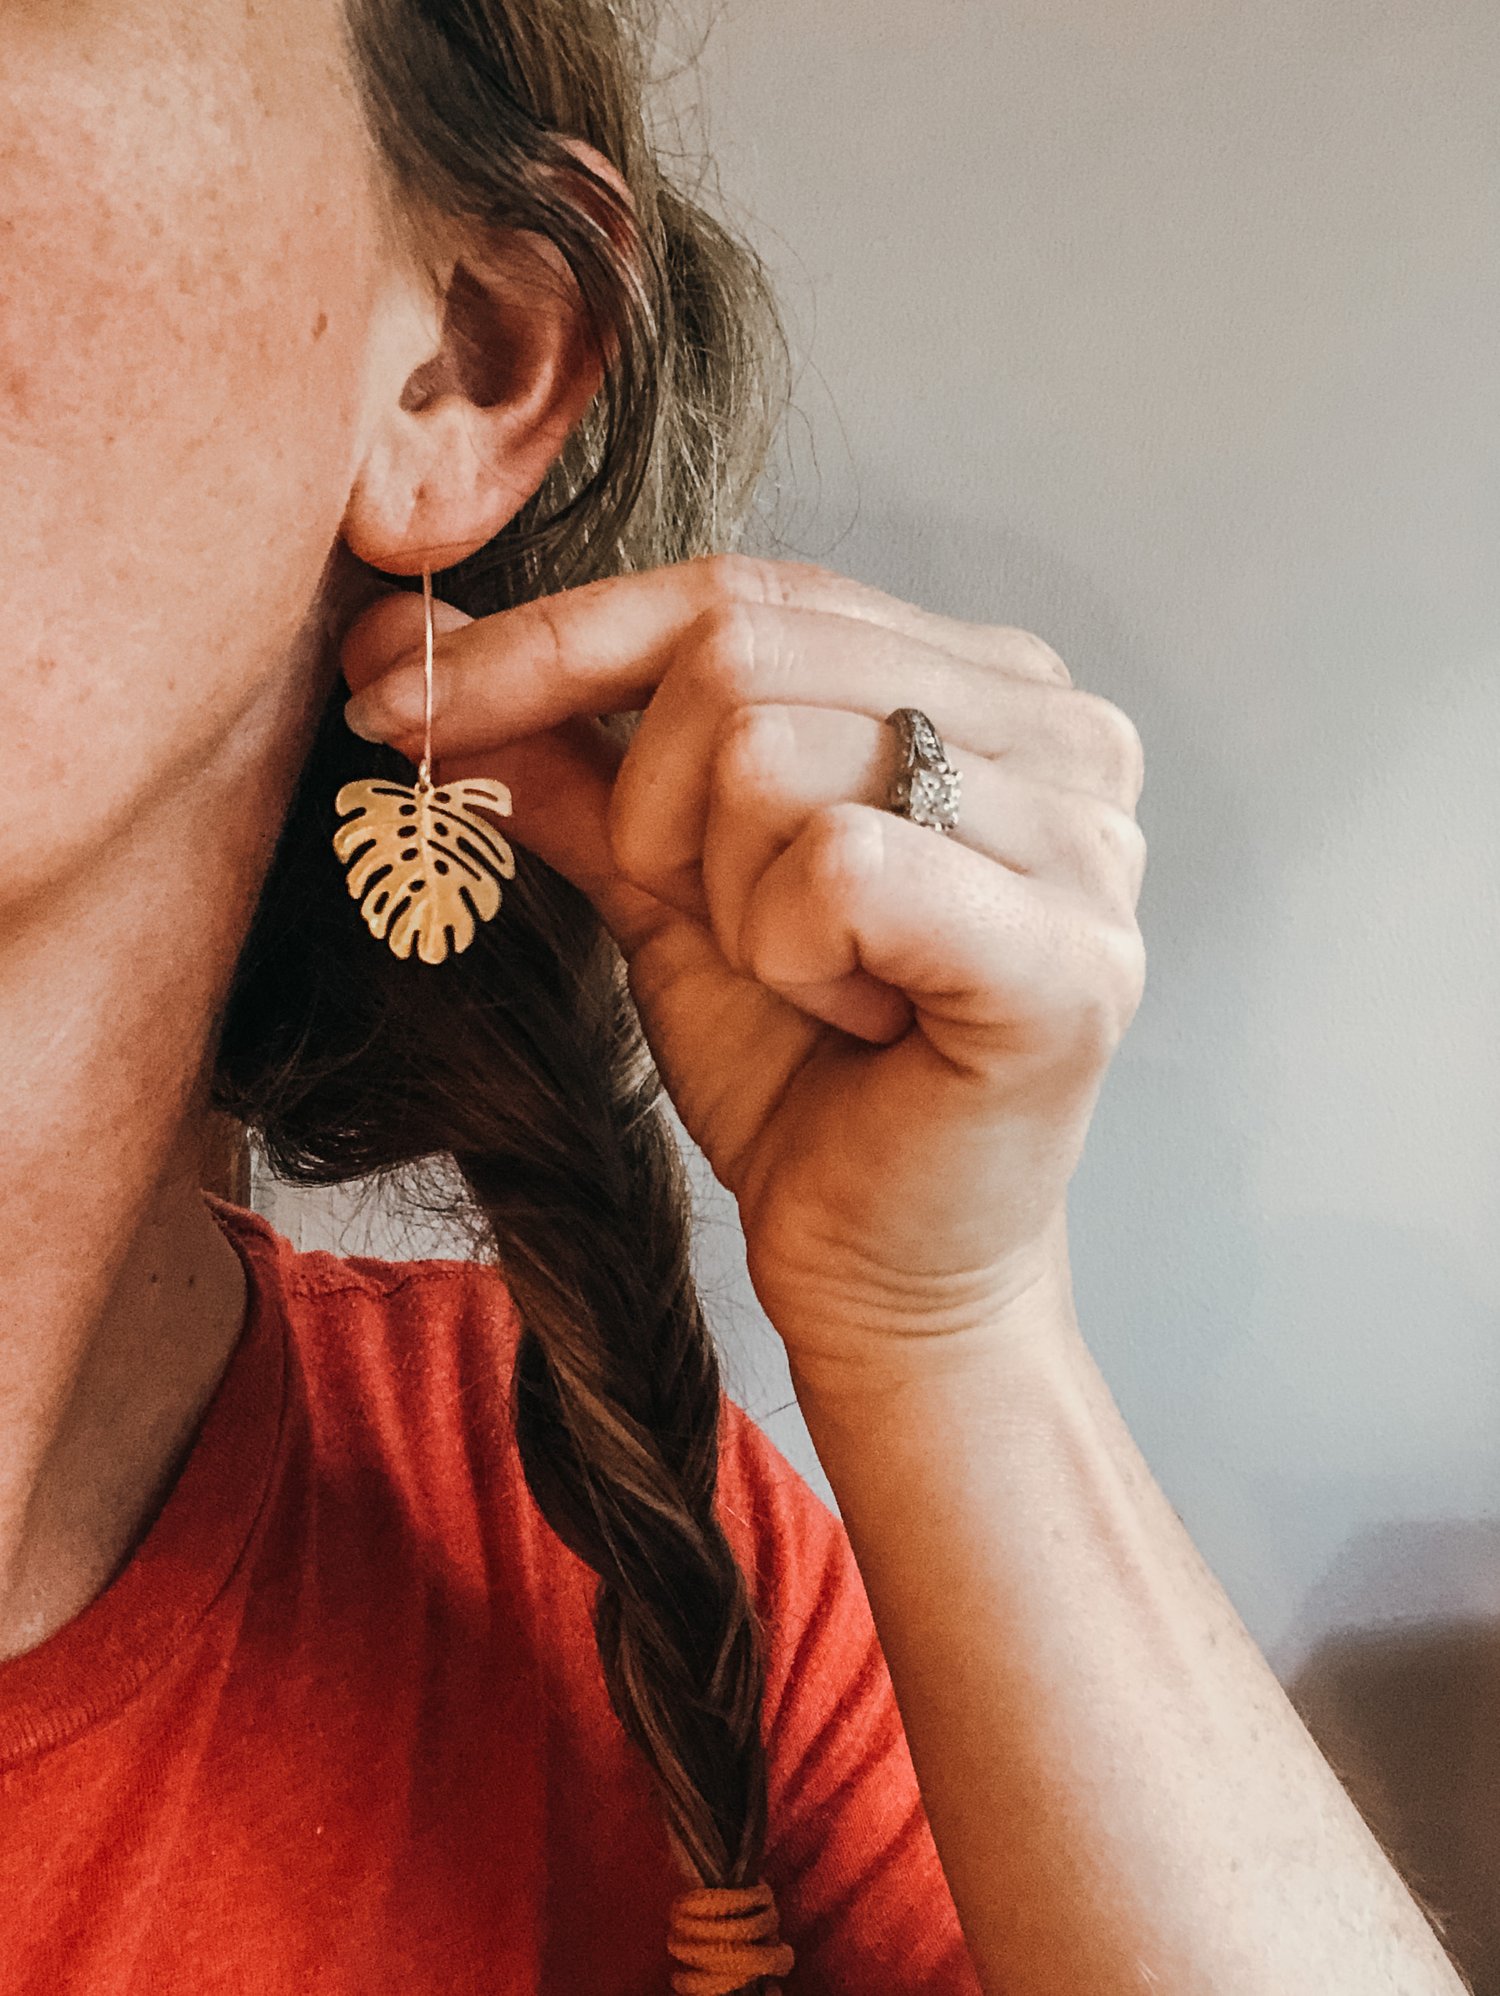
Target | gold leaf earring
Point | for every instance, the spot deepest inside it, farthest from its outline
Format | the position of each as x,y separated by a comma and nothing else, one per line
426,863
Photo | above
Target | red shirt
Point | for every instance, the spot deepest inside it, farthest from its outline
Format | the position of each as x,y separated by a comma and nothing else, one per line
338,1728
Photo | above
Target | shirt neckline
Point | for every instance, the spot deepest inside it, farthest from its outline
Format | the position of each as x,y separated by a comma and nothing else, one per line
91,1666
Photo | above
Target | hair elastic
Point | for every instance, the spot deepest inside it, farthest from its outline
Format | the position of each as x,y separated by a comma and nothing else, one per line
723,1936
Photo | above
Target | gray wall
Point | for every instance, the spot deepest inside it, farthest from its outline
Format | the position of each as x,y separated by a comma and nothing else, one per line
1169,331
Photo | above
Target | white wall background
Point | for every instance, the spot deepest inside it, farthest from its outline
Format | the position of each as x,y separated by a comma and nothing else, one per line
1170,330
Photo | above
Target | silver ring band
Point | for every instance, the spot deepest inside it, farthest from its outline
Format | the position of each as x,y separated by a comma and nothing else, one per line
926,785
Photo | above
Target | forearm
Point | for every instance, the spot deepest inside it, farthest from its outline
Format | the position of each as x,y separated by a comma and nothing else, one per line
1121,1794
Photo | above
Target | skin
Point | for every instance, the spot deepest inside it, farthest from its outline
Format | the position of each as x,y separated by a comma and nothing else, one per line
207,257
823,983
889,1045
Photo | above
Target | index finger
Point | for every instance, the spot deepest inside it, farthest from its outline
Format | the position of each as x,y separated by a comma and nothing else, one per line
602,648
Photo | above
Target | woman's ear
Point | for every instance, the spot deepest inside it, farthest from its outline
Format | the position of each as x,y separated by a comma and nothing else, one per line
463,422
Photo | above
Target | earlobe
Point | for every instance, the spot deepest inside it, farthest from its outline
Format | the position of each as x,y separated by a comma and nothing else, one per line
461,435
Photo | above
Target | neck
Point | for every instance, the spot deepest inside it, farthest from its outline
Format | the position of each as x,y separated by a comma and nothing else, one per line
120,1299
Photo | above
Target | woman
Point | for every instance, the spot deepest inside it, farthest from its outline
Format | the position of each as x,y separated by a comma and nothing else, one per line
375,1626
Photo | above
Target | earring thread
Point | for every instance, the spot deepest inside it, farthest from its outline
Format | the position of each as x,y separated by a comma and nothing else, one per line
424,769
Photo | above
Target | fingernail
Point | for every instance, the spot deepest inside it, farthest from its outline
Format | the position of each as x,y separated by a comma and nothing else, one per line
388,706
359,718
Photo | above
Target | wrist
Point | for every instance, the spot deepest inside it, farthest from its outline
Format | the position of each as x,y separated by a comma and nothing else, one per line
1025,1342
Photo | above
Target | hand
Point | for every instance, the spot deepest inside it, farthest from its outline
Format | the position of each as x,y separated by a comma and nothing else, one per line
887,1041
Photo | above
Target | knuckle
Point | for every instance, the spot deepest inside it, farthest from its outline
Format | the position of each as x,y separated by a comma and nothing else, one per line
843,843
1114,746
1037,652
1098,854
773,584
1123,841
727,652
740,578
1123,963
1111,981
792,585
1100,846
753,746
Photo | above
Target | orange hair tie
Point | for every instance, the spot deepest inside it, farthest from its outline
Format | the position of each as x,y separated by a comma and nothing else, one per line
723,1936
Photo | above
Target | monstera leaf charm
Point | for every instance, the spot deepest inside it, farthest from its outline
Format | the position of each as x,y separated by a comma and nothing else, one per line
427,864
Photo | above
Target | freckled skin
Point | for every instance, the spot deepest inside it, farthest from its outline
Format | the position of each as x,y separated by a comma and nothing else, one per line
190,251
210,332
195,345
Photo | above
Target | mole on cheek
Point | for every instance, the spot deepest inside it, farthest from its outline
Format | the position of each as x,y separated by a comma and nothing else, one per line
320,325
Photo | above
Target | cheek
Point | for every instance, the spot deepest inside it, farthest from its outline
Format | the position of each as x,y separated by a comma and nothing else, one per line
190,263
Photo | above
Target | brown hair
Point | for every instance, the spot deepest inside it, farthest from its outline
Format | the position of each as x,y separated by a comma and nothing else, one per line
523,1060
